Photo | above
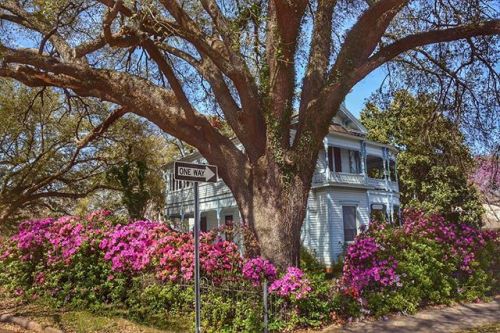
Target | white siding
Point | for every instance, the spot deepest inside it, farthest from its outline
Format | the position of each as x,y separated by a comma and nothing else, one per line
346,197
323,230
315,232
374,150
321,164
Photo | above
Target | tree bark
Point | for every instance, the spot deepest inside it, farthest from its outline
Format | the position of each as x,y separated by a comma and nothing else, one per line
274,206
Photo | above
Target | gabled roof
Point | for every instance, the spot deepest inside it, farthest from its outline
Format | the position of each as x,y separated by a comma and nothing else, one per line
343,122
351,120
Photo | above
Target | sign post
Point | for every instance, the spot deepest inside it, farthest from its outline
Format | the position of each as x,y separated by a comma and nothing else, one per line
196,173
196,235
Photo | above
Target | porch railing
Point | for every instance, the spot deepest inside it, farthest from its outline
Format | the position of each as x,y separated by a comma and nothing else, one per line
354,179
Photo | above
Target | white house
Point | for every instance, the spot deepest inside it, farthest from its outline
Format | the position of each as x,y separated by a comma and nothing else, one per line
354,178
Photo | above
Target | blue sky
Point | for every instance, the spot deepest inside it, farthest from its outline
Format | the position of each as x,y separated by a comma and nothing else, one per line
356,99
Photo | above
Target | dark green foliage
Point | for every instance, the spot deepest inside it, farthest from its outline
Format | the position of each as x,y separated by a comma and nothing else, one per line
309,262
131,176
434,161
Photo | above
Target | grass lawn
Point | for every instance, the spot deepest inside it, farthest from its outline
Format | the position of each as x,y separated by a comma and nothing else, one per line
488,328
72,321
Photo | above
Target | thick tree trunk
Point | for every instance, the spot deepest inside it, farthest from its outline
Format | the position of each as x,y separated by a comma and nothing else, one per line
275,208
277,219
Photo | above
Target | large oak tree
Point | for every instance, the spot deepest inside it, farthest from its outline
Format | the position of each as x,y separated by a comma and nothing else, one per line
269,68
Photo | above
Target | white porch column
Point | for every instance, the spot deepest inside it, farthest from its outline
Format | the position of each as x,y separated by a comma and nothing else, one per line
386,167
219,217
363,160
327,159
396,169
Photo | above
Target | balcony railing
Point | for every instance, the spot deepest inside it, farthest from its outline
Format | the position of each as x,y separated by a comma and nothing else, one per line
354,179
347,178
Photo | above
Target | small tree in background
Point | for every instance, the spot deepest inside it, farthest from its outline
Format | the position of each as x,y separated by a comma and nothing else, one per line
131,177
434,161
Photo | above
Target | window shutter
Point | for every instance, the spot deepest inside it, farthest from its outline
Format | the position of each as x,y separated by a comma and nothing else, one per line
330,158
337,159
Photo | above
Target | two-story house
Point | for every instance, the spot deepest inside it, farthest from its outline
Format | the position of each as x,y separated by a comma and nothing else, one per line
354,178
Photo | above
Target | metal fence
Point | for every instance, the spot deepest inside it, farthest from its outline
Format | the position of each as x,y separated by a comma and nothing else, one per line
267,305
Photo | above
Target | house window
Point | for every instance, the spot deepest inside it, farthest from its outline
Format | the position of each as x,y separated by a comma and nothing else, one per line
335,159
203,224
349,218
354,161
229,223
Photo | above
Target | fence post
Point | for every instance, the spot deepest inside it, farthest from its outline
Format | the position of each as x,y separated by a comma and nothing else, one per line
264,300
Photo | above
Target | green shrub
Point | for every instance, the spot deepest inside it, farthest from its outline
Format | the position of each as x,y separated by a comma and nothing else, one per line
429,260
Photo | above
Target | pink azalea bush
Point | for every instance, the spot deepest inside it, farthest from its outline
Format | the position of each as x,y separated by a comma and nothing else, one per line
32,236
364,267
219,259
427,260
137,248
258,269
131,247
147,267
462,241
292,284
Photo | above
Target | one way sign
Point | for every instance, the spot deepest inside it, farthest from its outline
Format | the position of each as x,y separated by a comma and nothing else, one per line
195,172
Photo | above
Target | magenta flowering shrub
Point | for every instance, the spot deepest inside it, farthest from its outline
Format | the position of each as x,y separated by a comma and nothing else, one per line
428,260
222,259
32,236
256,270
139,247
56,240
65,236
219,259
146,267
462,241
293,284
367,266
130,247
